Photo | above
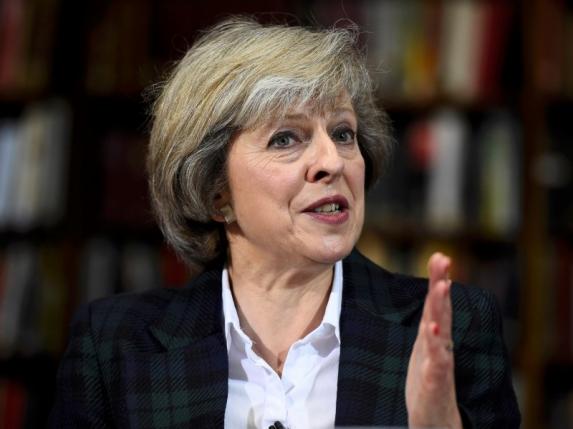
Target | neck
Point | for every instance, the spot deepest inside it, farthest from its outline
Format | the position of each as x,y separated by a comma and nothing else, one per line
278,306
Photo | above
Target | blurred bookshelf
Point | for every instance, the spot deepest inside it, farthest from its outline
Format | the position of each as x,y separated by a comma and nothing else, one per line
480,95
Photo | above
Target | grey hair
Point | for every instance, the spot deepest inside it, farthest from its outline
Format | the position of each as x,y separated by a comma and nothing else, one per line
238,75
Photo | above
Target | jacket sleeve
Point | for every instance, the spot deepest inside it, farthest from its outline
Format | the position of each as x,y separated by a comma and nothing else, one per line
483,377
80,398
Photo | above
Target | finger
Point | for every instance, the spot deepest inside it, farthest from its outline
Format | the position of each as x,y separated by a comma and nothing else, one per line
434,274
433,342
438,270
447,311
438,336
436,301
438,267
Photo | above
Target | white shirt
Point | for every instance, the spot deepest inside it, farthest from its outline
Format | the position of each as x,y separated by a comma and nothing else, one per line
305,396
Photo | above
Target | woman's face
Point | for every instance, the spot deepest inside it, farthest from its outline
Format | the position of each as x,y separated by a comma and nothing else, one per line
297,187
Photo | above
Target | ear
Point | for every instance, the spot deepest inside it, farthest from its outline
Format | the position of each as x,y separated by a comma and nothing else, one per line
221,204
228,214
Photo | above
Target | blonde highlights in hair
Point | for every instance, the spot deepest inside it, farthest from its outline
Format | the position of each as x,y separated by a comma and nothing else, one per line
238,75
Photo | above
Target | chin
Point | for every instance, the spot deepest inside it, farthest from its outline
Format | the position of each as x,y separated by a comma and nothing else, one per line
334,249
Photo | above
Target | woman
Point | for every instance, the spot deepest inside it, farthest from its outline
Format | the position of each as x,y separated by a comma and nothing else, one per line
264,140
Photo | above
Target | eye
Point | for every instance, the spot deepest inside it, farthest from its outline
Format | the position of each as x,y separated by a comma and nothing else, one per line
283,139
344,135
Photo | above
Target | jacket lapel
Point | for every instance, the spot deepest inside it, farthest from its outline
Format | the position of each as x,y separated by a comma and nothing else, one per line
193,314
378,327
185,384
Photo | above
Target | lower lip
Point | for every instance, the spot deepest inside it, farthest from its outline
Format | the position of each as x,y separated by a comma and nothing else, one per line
331,219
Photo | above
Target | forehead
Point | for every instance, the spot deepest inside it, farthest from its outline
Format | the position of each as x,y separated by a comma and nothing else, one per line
324,108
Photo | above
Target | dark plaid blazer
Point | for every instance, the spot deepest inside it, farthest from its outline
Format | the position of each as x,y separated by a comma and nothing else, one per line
159,359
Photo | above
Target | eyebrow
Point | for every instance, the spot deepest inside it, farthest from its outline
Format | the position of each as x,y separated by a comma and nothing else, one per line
336,112
342,110
297,116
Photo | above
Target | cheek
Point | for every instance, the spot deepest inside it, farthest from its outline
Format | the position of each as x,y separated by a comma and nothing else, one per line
356,177
259,185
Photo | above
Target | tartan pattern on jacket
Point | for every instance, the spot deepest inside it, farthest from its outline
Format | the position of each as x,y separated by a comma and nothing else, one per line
159,359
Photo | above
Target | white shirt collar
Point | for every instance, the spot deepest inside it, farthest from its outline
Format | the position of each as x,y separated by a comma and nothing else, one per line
331,314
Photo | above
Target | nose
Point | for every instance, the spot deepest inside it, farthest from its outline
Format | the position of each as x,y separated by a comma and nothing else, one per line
326,164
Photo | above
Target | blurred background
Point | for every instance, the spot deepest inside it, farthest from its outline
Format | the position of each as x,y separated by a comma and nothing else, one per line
480,94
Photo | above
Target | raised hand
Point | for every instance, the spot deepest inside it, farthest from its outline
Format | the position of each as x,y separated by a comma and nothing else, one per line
430,387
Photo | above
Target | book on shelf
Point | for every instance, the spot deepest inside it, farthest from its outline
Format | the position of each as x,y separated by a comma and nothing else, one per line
53,297
551,36
40,25
34,158
34,297
99,269
499,192
496,23
403,47
11,42
8,152
13,404
444,203
118,48
27,40
548,40
140,267
422,24
474,40
18,284
460,37
27,184
386,45
53,174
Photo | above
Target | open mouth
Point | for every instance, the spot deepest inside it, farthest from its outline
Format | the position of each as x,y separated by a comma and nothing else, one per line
329,206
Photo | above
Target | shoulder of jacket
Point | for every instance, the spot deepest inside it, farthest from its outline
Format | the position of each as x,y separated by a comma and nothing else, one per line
405,290
107,315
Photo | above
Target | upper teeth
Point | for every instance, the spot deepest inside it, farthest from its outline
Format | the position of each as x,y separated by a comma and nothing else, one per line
328,208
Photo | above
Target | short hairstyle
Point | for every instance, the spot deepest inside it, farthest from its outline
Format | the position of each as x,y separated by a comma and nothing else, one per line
237,75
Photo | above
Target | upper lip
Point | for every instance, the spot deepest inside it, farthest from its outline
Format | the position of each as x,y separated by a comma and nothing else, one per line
335,199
